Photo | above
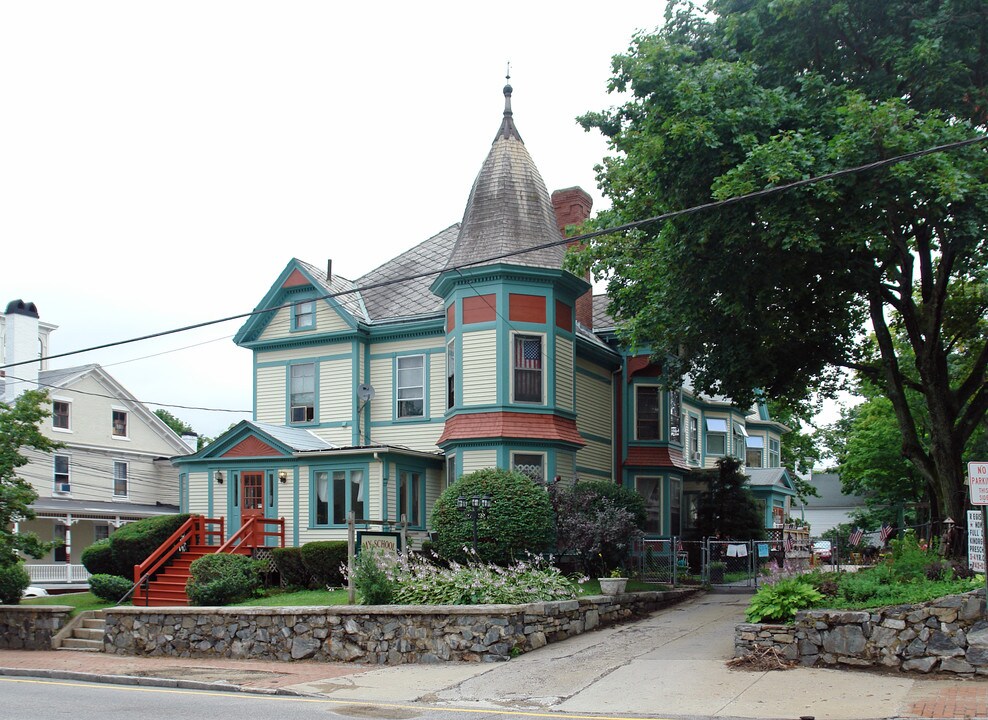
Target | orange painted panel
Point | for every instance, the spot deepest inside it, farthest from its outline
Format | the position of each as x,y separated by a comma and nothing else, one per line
526,308
451,317
296,279
479,308
564,316
251,447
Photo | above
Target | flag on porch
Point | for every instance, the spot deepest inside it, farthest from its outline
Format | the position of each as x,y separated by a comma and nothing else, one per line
855,537
884,533
788,542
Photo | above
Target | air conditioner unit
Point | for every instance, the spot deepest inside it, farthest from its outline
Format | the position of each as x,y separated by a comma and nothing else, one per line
63,487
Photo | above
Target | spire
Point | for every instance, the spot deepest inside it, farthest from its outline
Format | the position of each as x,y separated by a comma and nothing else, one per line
508,129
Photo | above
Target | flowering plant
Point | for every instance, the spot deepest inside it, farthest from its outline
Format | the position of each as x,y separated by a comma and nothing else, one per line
617,573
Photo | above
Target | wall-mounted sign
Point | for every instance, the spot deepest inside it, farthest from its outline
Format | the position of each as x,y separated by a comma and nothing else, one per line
977,481
975,542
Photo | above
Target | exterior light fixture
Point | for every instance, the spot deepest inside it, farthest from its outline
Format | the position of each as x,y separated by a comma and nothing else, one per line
219,476
283,476
476,506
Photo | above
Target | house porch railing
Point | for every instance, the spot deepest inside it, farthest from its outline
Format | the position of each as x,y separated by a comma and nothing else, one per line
58,573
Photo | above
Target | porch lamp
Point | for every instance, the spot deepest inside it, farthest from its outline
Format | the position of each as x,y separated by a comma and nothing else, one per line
219,476
475,506
283,476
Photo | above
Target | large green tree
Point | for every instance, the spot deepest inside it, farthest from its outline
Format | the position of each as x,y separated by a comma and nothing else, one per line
19,429
783,292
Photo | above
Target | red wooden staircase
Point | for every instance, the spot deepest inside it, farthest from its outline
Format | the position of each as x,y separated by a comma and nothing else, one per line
160,580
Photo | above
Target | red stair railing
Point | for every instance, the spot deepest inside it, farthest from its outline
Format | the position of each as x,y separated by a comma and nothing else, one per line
194,531
254,528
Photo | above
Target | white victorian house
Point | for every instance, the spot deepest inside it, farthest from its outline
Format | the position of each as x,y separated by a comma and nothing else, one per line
114,465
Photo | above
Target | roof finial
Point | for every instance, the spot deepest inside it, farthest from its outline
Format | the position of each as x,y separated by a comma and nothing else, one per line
507,129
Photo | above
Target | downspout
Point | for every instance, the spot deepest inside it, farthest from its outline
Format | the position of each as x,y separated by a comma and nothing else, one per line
619,424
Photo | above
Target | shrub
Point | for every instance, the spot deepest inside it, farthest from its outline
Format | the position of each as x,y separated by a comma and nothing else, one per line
98,559
109,587
13,580
780,601
592,491
221,579
134,542
371,577
519,521
323,560
292,570
592,526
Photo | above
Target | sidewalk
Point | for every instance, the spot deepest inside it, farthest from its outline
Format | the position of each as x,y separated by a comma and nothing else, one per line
671,664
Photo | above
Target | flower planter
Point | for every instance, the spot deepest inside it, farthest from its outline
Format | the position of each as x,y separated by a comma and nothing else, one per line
612,586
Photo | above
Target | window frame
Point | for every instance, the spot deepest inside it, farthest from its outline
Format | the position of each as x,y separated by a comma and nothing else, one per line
639,390
543,362
67,428
410,496
298,315
659,513
355,494
715,433
114,411
738,440
422,397
754,443
67,474
774,452
694,438
292,393
543,462
126,478
451,374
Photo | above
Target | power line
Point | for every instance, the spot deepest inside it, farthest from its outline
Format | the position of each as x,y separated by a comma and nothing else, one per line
564,241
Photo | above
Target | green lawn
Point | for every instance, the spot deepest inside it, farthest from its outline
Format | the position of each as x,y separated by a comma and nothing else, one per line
302,597
79,601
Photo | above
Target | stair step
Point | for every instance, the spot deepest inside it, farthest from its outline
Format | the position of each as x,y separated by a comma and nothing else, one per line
73,643
94,623
89,634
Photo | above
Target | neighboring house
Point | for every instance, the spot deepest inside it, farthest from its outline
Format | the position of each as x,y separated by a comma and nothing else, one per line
832,508
472,349
114,467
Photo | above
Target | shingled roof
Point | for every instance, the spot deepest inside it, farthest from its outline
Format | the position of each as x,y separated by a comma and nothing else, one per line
509,208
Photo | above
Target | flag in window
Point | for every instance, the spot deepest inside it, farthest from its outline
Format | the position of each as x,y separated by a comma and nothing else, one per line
529,353
855,538
884,533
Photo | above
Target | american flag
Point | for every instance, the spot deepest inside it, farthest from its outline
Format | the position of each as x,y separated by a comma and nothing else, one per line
788,542
855,537
884,533
529,354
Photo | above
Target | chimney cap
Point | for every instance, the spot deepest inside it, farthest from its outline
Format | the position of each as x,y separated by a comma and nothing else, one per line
19,307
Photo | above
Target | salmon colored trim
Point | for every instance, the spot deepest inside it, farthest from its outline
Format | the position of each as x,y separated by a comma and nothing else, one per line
296,279
479,308
526,308
655,457
451,317
520,426
564,316
251,447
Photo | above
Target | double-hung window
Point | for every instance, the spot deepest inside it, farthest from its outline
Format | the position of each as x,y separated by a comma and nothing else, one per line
303,392
716,436
63,481
450,375
774,453
650,488
118,424
755,445
411,386
338,492
119,479
738,439
304,315
694,444
528,368
647,404
411,497
61,414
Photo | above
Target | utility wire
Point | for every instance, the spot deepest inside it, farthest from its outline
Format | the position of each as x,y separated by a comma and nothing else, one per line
565,241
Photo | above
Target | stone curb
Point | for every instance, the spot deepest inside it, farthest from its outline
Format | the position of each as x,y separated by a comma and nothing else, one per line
147,681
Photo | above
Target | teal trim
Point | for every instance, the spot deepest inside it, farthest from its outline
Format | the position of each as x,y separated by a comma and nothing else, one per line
296,341
295,361
385,476
407,421
288,392
293,325
330,468
295,506
596,438
408,329
210,472
367,376
253,372
420,522
183,492
355,408
232,489
417,351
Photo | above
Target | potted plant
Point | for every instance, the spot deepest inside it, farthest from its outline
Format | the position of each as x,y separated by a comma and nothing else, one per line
716,572
615,584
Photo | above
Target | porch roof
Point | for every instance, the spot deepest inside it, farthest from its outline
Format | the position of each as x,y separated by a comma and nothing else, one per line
46,507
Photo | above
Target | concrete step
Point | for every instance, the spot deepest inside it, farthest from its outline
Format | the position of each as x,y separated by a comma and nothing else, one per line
89,634
74,643
94,624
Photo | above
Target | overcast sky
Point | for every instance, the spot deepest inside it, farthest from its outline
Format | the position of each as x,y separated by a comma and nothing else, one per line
160,163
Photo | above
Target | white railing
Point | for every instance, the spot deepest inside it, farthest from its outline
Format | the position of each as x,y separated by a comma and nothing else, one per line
61,573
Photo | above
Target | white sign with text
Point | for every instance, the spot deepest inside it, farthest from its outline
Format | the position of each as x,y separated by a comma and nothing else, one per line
975,542
977,480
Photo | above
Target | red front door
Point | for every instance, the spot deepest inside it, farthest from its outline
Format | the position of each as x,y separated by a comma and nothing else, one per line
252,503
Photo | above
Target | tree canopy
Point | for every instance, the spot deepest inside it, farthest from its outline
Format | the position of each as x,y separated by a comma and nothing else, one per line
780,294
19,429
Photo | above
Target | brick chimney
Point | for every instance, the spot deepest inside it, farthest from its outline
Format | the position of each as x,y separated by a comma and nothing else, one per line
20,344
572,207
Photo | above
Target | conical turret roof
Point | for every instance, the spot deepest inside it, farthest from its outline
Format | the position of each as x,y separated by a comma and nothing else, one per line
509,209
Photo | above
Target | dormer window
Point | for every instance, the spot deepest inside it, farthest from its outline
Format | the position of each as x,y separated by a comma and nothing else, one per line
60,414
304,315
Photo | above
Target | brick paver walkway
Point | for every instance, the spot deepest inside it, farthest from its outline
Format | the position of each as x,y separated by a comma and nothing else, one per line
959,699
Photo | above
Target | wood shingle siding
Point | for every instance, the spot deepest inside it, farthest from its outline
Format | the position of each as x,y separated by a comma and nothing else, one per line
479,380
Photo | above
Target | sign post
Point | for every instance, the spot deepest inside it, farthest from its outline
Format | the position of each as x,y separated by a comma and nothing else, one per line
977,482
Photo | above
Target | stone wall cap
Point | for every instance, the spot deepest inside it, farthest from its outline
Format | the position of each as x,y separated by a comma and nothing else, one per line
51,609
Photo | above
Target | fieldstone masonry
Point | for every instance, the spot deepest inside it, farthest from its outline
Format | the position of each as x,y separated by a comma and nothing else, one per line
392,634
31,627
949,634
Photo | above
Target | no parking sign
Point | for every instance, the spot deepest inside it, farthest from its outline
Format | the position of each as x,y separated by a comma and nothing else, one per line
977,481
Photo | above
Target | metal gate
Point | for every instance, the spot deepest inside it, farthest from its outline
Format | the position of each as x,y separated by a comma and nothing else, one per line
675,562
732,562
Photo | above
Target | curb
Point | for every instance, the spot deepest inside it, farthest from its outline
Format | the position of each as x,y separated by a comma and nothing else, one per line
147,681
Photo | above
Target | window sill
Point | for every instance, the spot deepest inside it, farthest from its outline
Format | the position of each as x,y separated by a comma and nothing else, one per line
68,431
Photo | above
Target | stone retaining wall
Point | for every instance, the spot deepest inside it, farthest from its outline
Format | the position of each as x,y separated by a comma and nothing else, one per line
31,627
392,634
947,635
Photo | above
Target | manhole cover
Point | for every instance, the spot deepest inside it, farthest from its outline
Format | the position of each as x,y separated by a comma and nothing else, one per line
383,712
